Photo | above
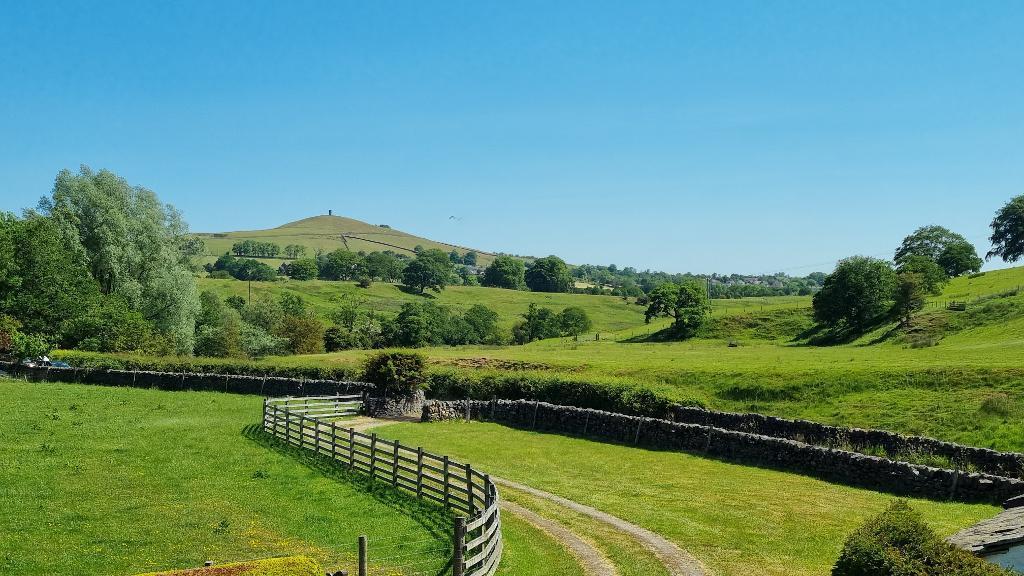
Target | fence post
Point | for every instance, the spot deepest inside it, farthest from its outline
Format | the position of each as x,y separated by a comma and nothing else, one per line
316,437
373,456
469,488
458,551
362,556
445,472
394,466
351,448
419,472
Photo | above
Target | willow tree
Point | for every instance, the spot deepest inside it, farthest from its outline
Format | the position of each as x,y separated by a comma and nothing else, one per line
132,245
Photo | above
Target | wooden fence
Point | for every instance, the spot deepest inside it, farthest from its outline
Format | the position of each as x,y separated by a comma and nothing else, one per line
309,423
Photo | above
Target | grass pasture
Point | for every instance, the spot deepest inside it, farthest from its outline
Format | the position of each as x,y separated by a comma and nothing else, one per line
115,481
738,520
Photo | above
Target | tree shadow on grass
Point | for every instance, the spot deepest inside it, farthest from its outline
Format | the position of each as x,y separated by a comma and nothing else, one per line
431,517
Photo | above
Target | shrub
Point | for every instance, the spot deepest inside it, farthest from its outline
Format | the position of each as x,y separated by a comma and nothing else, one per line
897,542
396,373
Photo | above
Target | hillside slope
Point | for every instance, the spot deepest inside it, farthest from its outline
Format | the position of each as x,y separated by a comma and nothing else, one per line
330,233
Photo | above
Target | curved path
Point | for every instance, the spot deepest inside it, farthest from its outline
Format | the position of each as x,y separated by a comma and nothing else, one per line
677,561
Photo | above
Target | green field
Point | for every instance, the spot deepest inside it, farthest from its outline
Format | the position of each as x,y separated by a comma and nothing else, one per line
738,520
120,481
968,388
325,233
607,312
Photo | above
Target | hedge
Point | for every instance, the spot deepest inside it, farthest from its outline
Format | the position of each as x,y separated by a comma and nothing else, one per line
207,366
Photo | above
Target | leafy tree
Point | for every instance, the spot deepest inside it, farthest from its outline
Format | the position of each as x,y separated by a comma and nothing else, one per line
267,313
110,326
304,333
483,325
1008,231
292,304
549,275
467,277
909,296
574,321
252,270
382,266
43,284
950,250
538,323
431,269
294,251
505,272
396,373
455,257
339,265
686,303
236,302
857,293
218,328
131,244
303,269
257,342
470,258
931,276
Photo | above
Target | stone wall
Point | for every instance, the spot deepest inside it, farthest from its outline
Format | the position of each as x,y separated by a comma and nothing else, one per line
735,446
395,407
1009,464
264,386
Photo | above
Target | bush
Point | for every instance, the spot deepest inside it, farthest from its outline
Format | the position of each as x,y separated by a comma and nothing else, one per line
898,543
396,373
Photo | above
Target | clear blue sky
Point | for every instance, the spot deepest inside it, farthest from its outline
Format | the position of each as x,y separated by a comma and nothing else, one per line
684,136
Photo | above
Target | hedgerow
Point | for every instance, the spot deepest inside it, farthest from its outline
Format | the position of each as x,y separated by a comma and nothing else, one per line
207,365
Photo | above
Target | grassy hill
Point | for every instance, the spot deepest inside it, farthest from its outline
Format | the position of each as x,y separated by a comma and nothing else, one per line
330,233
607,312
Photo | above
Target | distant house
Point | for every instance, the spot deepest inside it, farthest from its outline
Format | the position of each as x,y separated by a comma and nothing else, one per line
1000,539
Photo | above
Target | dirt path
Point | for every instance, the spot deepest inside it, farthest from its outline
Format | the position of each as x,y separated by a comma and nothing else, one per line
677,561
594,562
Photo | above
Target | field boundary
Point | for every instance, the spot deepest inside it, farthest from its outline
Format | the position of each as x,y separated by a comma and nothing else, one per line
830,464
308,423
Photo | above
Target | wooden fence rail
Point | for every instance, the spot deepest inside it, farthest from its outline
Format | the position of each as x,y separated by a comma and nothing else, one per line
307,423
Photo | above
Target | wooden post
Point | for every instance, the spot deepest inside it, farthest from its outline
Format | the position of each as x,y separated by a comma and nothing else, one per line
351,448
458,549
373,456
419,472
334,441
469,488
445,468
316,437
362,556
394,466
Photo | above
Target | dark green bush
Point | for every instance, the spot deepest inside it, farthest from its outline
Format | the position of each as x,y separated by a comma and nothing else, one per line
897,542
396,373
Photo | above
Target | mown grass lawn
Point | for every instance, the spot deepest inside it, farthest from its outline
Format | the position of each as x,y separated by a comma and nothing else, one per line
99,480
739,520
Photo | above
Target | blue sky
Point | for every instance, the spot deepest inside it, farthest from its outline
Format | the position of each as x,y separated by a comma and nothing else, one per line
683,136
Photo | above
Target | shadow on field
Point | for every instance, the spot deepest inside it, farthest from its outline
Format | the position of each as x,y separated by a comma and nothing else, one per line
431,517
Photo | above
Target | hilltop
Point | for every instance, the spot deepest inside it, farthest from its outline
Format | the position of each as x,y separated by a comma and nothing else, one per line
328,233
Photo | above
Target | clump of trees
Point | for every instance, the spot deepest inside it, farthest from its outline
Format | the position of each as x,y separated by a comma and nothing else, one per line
258,249
858,293
265,326
505,272
549,274
429,270
97,259
227,266
540,323
947,249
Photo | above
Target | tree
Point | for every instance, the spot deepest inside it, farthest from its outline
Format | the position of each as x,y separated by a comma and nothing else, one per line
303,269
505,272
339,265
304,333
218,328
483,323
131,243
538,323
382,266
685,302
470,258
931,276
236,302
858,292
431,269
455,257
948,249
549,275
252,270
574,321
294,251
1008,231
909,296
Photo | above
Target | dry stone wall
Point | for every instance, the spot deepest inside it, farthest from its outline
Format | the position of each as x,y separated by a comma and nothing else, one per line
735,446
1009,464
264,386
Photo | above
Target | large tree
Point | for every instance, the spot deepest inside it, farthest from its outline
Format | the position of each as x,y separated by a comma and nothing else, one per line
505,272
132,246
946,248
685,302
858,292
431,269
549,275
1008,231
931,276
